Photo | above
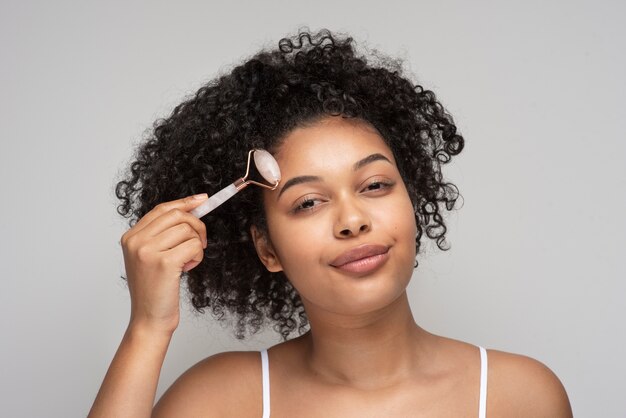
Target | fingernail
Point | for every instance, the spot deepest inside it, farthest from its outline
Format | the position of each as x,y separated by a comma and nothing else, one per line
201,196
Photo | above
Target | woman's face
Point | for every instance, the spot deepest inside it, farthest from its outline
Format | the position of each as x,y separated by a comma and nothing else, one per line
341,224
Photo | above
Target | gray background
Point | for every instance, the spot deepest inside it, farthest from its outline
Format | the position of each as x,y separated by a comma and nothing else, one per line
536,88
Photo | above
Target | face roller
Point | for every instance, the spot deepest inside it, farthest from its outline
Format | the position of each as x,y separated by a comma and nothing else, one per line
267,167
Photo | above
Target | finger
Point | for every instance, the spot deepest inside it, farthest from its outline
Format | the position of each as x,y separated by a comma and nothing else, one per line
174,236
185,204
190,251
173,228
190,265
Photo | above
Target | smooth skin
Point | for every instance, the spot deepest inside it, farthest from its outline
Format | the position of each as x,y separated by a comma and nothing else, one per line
365,356
157,249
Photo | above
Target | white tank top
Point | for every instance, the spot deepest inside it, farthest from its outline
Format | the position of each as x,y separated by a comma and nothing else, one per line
482,404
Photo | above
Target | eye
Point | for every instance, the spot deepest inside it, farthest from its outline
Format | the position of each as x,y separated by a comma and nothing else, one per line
305,204
378,185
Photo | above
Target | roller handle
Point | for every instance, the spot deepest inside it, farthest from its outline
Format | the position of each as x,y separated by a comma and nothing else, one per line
214,201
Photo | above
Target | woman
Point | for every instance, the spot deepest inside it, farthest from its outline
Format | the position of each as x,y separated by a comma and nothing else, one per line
333,248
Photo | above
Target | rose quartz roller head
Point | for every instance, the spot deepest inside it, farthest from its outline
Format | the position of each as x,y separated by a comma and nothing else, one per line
267,167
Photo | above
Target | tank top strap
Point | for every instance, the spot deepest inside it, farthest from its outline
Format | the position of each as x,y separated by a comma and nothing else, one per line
482,405
265,366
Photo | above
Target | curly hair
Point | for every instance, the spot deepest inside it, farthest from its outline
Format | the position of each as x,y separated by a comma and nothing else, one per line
202,146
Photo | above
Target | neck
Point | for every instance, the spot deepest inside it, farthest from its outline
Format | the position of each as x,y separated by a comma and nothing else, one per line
380,349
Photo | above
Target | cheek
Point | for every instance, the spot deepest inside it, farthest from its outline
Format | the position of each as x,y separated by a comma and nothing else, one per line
408,219
297,243
398,216
399,221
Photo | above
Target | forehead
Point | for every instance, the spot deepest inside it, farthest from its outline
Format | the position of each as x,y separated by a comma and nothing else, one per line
331,142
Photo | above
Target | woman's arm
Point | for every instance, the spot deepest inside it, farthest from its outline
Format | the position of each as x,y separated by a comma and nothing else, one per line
163,244
129,387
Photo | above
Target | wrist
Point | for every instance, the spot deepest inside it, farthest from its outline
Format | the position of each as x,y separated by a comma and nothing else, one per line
142,330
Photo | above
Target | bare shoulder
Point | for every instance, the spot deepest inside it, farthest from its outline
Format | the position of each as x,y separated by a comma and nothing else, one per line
213,387
524,385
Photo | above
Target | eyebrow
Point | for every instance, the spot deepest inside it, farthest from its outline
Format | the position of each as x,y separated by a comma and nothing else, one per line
307,179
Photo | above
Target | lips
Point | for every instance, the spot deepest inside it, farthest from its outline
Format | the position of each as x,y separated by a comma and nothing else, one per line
359,253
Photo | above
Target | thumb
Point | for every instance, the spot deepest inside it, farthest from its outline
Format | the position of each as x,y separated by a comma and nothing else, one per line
190,265
197,198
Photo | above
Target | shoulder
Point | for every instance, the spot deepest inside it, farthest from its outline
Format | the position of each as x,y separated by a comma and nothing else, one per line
523,384
214,386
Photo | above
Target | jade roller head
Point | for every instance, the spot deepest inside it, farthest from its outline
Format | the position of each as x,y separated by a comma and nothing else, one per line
265,165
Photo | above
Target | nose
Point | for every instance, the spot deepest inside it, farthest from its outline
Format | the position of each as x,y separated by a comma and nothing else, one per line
351,219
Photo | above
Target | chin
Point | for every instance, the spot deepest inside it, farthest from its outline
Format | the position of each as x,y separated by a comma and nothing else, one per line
367,296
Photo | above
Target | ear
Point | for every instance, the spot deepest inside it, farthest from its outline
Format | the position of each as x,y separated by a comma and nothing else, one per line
265,250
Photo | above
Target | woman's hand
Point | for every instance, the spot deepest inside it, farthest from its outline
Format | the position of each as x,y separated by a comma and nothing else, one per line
167,241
